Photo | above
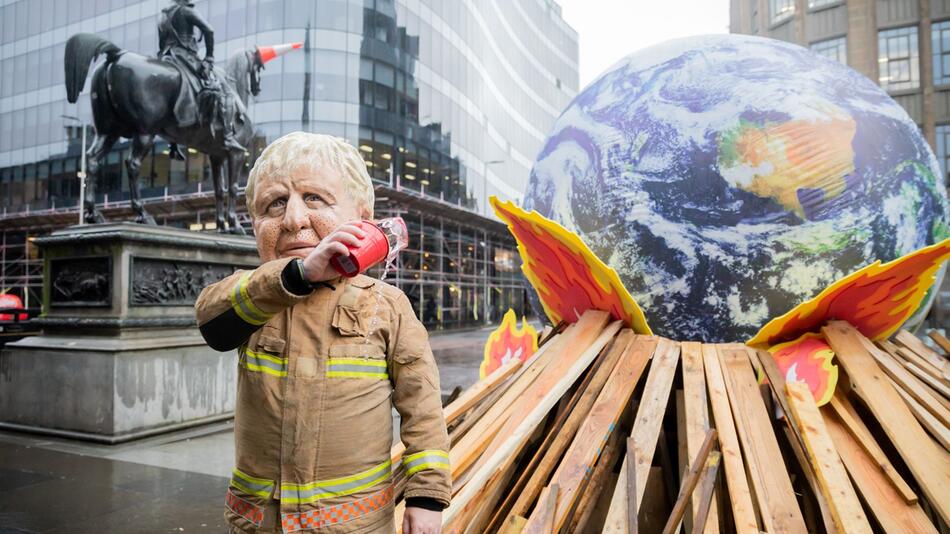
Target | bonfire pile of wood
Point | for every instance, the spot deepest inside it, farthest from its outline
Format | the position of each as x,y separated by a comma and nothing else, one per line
603,430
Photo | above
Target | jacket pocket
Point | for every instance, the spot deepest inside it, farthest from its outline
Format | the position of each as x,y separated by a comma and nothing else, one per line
273,345
348,322
266,356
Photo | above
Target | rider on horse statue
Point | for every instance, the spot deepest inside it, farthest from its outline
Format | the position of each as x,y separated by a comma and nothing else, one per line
202,97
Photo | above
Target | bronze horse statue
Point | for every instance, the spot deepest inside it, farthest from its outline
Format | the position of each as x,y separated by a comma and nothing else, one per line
134,96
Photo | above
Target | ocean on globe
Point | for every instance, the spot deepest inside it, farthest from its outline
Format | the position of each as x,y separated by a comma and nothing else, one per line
728,178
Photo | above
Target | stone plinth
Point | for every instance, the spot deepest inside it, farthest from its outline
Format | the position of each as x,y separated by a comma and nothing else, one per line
120,355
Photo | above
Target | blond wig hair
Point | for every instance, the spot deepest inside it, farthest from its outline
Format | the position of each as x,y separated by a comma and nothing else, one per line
303,149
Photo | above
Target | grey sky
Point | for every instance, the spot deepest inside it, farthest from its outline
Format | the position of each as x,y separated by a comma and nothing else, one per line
611,29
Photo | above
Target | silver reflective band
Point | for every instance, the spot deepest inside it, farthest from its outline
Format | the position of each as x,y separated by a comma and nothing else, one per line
263,362
426,460
252,485
357,368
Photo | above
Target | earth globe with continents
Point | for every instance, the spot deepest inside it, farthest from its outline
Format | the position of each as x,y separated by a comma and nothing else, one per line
728,178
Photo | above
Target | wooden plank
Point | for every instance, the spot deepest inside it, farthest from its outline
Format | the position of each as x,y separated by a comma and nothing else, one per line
483,511
467,400
773,489
472,446
550,506
600,478
936,384
776,381
603,417
535,475
471,396
903,379
941,342
689,483
514,525
515,440
707,488
832,477
913,357
846,413
740,497
548,450
918,347
474,441
937,429
538,475
632,522
929,464
697,419
646,429
545,505
587,329
656,505
892,512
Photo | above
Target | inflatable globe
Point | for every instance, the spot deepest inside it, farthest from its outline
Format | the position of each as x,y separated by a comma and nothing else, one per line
728,178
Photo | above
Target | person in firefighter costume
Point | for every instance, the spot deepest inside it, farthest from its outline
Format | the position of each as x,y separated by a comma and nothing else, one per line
322,361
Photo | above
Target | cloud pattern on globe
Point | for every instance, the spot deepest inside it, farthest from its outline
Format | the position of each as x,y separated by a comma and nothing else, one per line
728,178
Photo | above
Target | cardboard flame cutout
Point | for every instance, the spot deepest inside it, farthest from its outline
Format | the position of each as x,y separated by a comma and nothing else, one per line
876,299
569,278
508,342
808,359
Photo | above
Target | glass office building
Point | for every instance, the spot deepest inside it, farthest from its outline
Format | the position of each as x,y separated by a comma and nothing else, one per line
448,101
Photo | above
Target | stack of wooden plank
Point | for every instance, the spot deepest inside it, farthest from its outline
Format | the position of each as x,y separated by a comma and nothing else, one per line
603,430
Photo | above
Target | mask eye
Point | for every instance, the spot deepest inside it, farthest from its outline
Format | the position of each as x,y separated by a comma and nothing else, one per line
312,197
277,204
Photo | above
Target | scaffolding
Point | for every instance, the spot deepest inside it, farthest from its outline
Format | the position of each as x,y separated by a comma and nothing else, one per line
460,269
21,268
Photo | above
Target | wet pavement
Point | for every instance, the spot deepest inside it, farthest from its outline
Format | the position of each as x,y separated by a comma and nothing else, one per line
45,490
168,483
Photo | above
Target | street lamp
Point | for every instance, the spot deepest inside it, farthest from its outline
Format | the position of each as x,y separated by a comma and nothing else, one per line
486,298
485,180
82,166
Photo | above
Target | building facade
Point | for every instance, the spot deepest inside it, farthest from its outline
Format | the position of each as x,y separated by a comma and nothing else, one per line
903,45
448,102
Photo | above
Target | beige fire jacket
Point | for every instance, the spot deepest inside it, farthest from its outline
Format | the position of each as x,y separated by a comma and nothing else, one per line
318,375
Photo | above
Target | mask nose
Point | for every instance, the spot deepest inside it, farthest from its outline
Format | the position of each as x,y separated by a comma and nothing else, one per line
295,218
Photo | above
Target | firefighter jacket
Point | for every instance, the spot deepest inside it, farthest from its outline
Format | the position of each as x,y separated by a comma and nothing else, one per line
318,375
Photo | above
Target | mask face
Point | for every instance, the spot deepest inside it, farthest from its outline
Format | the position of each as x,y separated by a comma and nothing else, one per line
295,210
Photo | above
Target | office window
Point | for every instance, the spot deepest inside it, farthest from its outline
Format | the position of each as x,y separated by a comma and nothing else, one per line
943,149
836,49
813,4
898,59
940,37
781,9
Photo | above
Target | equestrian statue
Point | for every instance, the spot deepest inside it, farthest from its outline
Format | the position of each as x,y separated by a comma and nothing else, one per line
178,96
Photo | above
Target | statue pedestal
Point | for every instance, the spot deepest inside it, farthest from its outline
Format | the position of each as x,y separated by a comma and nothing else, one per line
120,356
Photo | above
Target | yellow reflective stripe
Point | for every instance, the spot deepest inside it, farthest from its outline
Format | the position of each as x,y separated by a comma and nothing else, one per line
357,374
247,298
263,362
253,485
242,305
266,370
357,361
267,356
338,487
356,368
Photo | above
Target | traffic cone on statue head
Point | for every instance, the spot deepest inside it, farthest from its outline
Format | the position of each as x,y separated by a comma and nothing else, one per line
268,53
